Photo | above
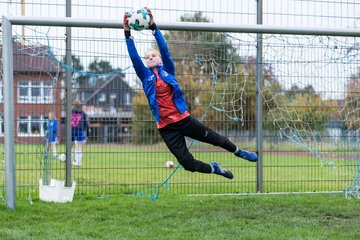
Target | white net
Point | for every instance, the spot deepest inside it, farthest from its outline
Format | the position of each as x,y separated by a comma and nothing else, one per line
310,90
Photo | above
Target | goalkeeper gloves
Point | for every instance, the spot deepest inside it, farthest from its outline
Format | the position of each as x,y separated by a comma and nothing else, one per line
126,25
152,26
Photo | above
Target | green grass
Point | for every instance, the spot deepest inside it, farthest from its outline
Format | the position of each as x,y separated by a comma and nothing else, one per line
320,216
116,169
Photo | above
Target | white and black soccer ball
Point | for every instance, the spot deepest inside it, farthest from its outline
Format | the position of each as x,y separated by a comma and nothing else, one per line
62,157
139,19
169,164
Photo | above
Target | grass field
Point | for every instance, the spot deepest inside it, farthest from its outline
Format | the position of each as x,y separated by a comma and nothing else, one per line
315,216
116,169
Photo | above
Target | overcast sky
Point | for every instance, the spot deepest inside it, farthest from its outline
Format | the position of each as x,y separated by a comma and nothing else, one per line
314,13
300,13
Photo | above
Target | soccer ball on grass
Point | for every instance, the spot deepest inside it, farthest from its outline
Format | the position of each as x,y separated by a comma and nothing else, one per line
62,157
169,164
139,19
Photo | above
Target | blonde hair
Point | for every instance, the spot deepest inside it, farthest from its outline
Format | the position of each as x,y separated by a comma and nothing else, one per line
51,115
151,50
77,104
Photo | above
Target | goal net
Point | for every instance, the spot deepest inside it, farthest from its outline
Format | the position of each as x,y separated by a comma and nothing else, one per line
310,88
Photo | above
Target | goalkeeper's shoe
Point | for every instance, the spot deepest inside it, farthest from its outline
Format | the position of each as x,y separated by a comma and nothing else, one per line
221,171
250,156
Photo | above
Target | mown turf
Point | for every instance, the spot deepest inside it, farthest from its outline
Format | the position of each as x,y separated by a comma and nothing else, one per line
317,216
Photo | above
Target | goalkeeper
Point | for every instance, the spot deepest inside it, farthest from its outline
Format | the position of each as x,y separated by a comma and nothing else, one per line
167,103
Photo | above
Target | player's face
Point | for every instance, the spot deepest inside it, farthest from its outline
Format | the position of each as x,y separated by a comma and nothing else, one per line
153,58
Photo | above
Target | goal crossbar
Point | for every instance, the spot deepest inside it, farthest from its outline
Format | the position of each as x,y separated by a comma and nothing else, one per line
185,26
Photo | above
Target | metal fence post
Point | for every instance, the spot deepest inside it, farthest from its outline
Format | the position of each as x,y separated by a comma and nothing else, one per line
68,177
259,102
9,113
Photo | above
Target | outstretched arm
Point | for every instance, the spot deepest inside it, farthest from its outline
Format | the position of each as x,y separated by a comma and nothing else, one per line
167,60
136,60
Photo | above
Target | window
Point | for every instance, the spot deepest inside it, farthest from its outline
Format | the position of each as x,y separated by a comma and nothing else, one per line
35,125
23,91
102,97
112,95
35,92
127,99
44,123
48,92
82,96
23,125
92,81
31,125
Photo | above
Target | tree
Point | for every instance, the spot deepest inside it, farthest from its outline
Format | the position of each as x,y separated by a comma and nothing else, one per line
100,66
75,63
307,110
95,67
143,128
75,66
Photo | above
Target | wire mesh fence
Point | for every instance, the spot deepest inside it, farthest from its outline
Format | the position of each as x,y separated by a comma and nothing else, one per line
310,103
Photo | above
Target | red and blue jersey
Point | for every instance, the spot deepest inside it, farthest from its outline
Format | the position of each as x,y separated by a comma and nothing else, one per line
167,111
166,73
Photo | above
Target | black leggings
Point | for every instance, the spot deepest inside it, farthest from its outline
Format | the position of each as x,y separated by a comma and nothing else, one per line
174,137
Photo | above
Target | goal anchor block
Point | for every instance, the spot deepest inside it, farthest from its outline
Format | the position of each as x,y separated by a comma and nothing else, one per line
56,191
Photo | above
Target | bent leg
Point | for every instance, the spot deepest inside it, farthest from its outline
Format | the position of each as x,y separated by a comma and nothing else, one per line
176,143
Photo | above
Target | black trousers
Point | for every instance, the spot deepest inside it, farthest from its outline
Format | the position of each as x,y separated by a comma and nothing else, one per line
174,137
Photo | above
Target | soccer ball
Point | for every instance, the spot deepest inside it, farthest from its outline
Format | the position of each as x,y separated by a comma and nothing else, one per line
169,164
139,19
62,157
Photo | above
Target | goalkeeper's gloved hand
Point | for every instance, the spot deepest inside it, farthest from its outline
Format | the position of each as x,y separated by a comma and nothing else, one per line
126,25
152,22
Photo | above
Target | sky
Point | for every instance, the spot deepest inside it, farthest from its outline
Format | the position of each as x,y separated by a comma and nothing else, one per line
297,13
314,13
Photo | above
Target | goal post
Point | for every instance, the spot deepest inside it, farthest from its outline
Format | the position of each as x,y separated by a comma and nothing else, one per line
9,146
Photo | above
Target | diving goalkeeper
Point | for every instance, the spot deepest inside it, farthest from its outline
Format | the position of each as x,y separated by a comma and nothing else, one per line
168,105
